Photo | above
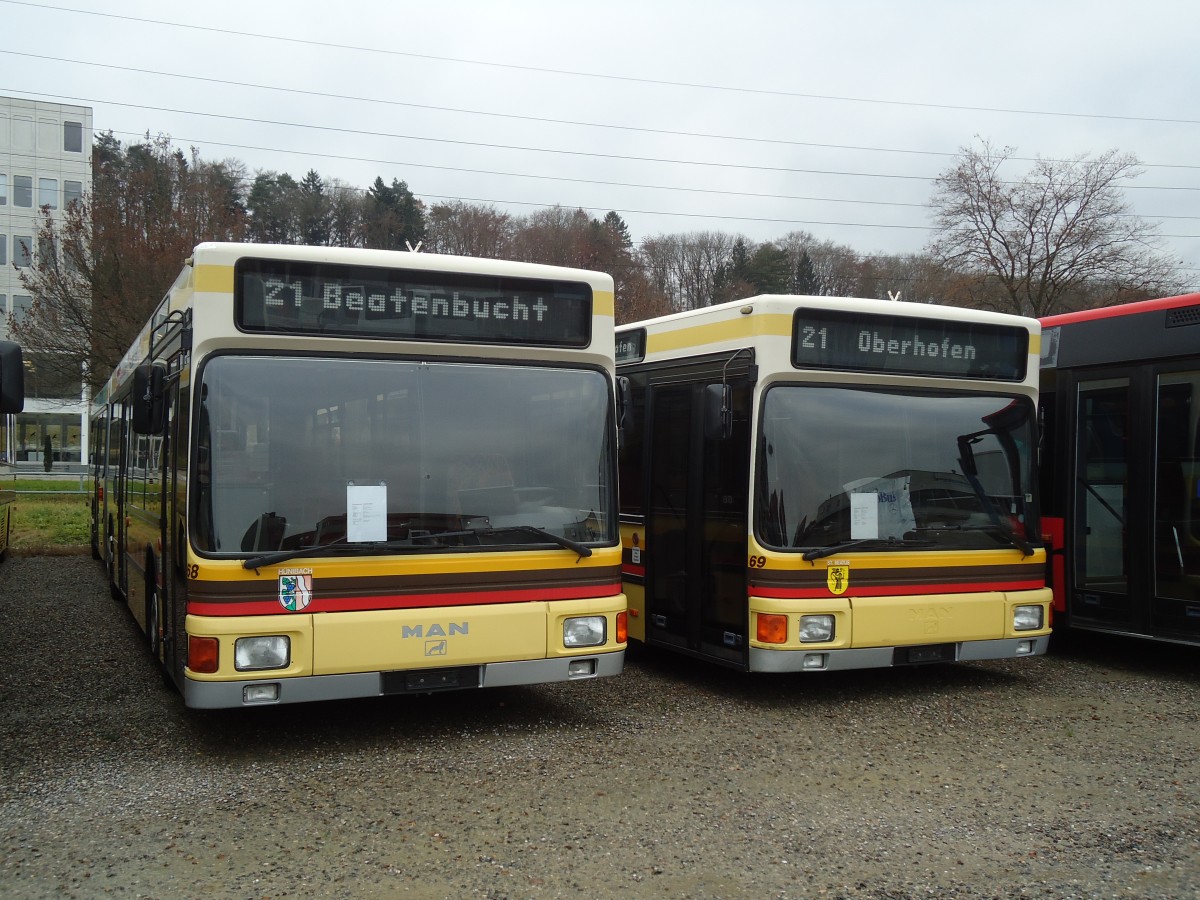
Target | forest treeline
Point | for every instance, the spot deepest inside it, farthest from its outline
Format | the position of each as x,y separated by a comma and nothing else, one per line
100,269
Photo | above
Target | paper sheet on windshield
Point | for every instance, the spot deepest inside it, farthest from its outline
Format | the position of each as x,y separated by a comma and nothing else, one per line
366,512
864,516
883,513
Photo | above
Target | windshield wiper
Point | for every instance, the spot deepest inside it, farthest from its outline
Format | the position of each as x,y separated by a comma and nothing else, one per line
822,552
1013,538
565,542
341,544
278,556
971,473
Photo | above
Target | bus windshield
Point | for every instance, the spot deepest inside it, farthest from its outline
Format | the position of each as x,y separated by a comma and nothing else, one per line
354,453
842,467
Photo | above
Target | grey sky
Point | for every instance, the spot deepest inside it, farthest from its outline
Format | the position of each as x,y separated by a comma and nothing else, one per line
689,116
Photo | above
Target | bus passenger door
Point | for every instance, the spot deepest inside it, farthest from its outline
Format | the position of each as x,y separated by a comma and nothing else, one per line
1175,594
696,525
1104,465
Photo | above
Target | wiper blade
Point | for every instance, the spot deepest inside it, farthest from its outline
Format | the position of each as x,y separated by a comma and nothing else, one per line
272,559
1013,538
278,556
341,544
565,542
822,552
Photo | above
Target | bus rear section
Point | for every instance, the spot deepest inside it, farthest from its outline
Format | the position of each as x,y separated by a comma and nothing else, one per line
1120,395
814,509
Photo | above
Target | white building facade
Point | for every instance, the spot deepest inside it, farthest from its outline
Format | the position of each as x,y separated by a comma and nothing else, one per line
45,163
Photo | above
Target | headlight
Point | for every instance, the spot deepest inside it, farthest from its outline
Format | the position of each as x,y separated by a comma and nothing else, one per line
814,629
1027,618
584,631
251,654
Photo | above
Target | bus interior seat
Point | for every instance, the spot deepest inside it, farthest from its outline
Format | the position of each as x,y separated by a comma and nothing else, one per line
264,533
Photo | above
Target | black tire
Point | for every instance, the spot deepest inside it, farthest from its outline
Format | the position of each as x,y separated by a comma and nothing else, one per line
153,614
110,561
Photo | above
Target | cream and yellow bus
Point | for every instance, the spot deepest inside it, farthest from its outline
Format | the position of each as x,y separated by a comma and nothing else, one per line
814,483
326,473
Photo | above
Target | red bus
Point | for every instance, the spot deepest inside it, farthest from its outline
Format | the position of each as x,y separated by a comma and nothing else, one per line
1120,473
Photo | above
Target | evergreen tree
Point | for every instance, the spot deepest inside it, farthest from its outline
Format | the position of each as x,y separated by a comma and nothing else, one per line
804,280
274,204
393,219
767,269
314,210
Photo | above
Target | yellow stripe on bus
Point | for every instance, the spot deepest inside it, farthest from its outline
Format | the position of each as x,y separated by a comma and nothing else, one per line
603,303
719,332
898,559
439,564
214,279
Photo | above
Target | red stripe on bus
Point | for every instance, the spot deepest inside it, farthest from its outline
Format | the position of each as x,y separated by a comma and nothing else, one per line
637,571
1123,309
405,601
887,591
1055,528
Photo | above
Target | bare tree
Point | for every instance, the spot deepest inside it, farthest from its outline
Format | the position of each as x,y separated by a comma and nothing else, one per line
101,270
470,229
1059,237
557,236
688,268
346,214
914,277
63,322
823,268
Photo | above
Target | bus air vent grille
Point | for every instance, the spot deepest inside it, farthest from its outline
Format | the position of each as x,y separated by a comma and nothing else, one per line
1176,318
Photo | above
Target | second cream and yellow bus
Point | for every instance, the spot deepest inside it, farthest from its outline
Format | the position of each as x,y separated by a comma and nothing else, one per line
811,484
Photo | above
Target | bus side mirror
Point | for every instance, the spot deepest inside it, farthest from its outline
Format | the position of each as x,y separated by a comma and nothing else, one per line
12,378
623,404
148,401
718,412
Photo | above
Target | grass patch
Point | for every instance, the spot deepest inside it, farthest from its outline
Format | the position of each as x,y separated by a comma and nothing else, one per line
50,522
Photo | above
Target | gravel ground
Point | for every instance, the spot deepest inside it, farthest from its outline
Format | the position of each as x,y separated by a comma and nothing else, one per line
1074,775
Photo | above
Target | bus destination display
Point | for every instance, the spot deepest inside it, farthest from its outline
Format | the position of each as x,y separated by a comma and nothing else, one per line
631,345
907,345
274,296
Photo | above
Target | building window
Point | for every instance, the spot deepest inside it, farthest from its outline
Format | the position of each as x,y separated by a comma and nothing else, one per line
22,251
48,192
22,190
3,307
73,137
3,190
47,251
72,193
3,249
52,377
22,133
19,306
